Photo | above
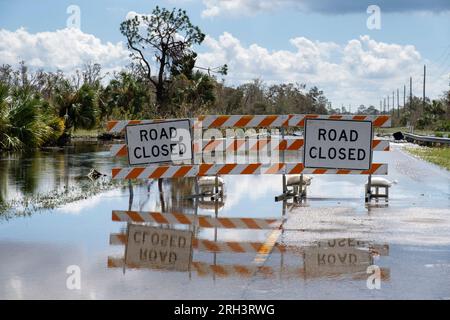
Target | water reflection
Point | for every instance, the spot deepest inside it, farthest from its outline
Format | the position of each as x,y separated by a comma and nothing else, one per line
158,242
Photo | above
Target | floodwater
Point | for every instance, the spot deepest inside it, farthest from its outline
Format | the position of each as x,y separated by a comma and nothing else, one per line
328,247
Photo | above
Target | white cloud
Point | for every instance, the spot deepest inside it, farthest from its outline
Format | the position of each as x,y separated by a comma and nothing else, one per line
360,71
66,50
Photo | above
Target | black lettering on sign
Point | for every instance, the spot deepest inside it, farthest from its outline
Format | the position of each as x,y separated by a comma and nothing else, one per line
153,134
311,152
164,134
322,133
353,135
143,134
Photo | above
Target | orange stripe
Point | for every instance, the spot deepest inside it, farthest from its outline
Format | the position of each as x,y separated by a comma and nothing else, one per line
111,124
181,218
220,120
135,216
210,245
243,271
251,168
219,270
256,245
203,222
335,116
275,168
297,169
115,172
203,168
227,223
122,238
235,247
375,143
387,148
182,171
343,171
135,172
123,151
115,217
243,121
296,145
359,117
380,120
158,217
250,223
267,121
158,172
227,168
374,168
282,145
319,171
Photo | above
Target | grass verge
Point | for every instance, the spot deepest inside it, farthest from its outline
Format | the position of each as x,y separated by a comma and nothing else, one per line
439,156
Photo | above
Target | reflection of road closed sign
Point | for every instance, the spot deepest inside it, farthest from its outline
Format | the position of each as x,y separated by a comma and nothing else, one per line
336,256
151,247
164,141
338,144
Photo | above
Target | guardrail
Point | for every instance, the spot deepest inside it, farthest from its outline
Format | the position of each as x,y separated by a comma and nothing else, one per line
410,137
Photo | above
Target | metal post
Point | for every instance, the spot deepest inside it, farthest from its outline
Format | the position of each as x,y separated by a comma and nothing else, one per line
130,201
282,160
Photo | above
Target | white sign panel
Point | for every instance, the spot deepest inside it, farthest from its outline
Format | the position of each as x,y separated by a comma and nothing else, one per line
338,144
157,142
157,248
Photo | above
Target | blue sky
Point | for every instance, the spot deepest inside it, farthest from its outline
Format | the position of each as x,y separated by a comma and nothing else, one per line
252,36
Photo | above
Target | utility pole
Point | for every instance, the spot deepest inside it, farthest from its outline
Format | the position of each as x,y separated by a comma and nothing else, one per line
410,93
424,76
404,97
381,106
393,103
388,106
398,105
384,105
410,102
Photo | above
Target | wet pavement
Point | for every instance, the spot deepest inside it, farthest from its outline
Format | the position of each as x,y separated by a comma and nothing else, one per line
323,249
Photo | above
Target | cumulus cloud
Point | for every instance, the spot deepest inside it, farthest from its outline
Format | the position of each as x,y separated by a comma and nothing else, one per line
218,7
359,71
66,50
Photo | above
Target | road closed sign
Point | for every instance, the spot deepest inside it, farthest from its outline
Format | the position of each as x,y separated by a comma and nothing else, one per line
338,144
158,248
157,142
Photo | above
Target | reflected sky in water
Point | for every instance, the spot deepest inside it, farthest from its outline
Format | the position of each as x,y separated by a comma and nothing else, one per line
35,250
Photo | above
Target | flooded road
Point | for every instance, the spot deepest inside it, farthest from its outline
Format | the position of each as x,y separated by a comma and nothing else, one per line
323,249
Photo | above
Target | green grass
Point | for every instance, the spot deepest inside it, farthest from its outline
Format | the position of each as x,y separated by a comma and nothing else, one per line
82,133
439,156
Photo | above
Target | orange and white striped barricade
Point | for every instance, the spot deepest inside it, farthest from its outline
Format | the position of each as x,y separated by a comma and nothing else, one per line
190,219
231,145
240,145
210,169
204,269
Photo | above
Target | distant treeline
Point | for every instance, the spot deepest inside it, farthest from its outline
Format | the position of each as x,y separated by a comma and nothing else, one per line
43,108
